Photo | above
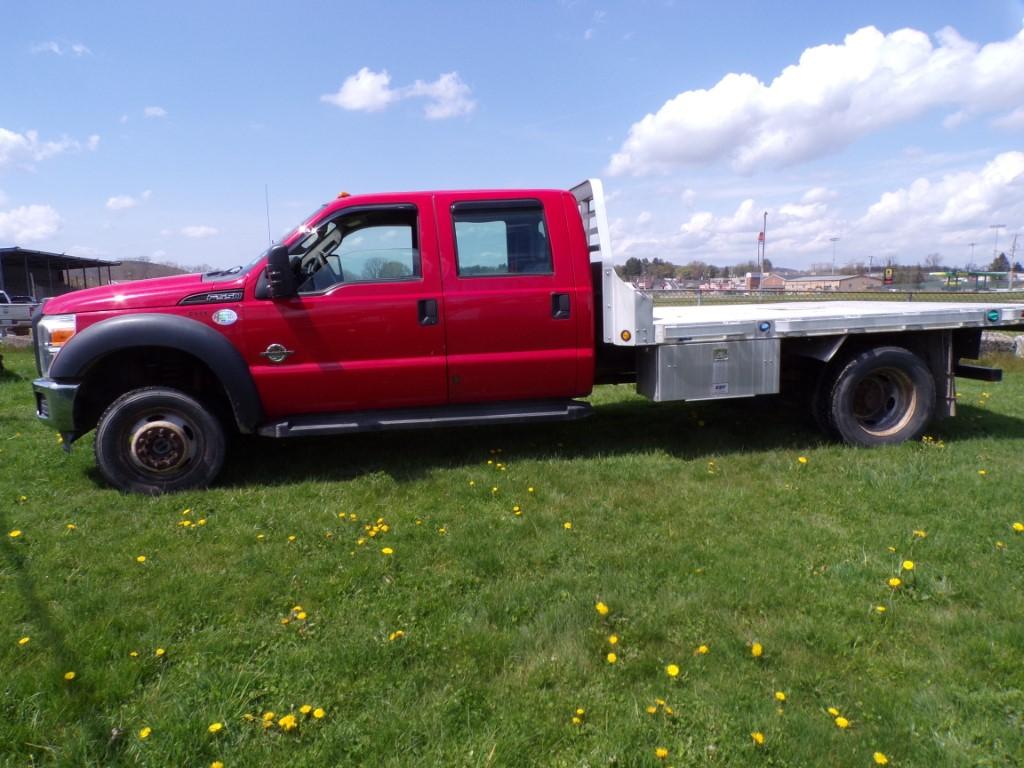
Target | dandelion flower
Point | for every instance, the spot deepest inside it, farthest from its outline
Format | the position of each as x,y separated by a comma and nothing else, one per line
530,489
576,721
581,711
301,615
880,758
144,733
319,713
159,652
216,764
651,709
69,676
672,670
291,538
802,459
842,722
601,608
133,654
260,537
702,650
71,526
268,715
982,472
1000,545
661,753
24,640
288,723
758,738
613,639
494,489
908,565
306,709
612,658
880,609
756,650
567,525
14,534
387,551
920,534
215,727
1018,527
780,696
833,711
894,582
891,549
140,559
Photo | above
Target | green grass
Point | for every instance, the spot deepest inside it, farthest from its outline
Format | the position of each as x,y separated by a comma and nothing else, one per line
502,640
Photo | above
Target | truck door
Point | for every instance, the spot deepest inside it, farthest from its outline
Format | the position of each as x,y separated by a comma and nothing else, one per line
366,329
510,318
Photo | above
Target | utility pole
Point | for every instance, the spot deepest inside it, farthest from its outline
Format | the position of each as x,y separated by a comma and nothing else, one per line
833,240
995,246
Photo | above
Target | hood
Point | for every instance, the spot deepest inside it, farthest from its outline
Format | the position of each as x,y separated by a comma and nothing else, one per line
141,294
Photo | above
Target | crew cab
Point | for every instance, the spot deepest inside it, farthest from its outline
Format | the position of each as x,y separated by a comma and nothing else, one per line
431,309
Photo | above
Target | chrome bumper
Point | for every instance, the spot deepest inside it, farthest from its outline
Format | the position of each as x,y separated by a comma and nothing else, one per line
55,404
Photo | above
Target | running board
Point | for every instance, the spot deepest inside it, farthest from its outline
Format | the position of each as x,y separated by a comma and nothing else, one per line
426,418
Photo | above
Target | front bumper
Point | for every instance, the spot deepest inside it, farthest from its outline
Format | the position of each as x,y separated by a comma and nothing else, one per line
55,405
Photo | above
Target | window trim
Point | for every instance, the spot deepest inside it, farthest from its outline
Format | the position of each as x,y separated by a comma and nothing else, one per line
466,206
372,208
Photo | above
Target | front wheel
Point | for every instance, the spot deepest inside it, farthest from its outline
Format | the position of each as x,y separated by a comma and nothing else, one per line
882,396
158,440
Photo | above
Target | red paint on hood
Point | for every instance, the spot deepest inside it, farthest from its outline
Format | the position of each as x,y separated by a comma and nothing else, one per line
141,294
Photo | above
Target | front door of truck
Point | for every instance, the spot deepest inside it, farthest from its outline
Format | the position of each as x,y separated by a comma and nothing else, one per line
508,290
366,329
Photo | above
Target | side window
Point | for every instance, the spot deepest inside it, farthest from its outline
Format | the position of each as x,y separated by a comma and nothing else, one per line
501,238
359,247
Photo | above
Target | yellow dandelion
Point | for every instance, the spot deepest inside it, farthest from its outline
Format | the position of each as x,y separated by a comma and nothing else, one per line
24,640
201,521
71,527
215,727
1000,545
652,709
613,639
494,489
216,764
702,650
612,658
1018,527
567,525
880,609
133,654
842,722
891,549
780,696
260,537
15,534
159,652
69,676
288,723
580,711
833,711
919,534
530,489
186,511
442,531
661,753
802,459
292,537
756,650
387,551
672,670
908,565
268,716
301,615
758,738
982,472
319,713
577,720
880,758
306,709
144,732
601,608
140,559
895,581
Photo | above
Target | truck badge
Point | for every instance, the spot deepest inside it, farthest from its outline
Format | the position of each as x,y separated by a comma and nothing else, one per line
277,353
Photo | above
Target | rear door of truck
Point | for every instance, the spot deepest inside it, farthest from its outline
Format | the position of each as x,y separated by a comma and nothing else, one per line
510,308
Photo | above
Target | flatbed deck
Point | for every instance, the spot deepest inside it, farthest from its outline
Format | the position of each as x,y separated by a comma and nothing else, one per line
674,325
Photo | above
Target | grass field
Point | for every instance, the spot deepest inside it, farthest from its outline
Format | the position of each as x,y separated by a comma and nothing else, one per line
477,639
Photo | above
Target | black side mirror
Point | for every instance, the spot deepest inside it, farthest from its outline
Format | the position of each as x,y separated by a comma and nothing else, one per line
280,277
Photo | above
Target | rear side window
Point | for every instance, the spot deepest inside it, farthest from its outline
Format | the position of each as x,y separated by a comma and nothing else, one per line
501,238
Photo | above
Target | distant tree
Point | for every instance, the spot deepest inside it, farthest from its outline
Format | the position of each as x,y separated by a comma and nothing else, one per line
1018,267
381,269
632,268
766,263
711,271
1000,264
933,261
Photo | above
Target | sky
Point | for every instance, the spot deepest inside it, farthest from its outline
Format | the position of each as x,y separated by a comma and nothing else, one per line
161,130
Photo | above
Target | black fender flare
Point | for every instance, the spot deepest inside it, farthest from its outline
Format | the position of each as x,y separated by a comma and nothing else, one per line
152,329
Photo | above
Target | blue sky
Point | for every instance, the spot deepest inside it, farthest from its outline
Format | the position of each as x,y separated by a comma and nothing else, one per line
143,129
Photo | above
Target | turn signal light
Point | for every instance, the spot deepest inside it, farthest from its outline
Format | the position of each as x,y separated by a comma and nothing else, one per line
344,194
60,336
626,335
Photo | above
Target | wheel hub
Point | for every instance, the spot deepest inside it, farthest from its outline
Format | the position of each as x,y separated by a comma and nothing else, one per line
160,446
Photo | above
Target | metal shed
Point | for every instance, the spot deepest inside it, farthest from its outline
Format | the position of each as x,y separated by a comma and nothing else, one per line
41,273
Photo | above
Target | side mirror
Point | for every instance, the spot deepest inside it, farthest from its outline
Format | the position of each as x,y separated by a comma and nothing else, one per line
280,277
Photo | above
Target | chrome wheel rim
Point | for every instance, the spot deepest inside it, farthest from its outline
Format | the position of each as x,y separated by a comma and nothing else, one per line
162,443
884,401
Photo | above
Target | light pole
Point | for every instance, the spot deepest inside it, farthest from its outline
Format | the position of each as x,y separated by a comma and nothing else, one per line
833,240
995,246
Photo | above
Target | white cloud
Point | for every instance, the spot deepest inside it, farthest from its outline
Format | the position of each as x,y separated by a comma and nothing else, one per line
121,202
51,46
365,91
833,96
3,198
197,231
447,96
146,194
123,119
1014,121
370,91
26,148
818,195
154,112
28,223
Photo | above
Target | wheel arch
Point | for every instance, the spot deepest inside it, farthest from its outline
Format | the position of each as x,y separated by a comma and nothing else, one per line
121,347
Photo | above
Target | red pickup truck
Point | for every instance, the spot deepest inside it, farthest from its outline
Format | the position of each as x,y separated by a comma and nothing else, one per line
428,309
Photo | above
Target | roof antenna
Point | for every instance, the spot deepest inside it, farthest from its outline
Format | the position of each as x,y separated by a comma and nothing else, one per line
266,198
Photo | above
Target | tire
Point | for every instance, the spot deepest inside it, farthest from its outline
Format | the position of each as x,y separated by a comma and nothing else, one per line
883,396
157,440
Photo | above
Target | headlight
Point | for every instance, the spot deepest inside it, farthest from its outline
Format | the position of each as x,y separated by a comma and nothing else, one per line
54,331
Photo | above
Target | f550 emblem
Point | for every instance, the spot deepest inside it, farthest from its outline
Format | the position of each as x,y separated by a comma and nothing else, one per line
277,353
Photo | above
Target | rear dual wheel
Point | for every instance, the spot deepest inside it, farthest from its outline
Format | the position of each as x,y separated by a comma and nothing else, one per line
881,396
158,440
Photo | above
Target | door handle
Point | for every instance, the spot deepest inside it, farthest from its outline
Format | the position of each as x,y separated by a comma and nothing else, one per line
560,307
426,310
